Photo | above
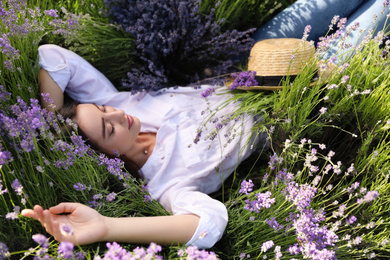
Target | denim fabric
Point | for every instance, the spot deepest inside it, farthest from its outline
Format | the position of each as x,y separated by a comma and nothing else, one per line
291,22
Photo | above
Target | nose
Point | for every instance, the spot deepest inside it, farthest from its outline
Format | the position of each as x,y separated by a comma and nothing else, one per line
117,116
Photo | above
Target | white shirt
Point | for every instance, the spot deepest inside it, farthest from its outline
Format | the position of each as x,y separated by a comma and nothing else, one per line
179,173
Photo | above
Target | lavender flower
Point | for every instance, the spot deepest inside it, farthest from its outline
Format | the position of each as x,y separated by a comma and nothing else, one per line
111,197
1,187
169,35
115,251
351,220
41,240
79,186
274,224
17,187
5,157
194,253
267,245
278,253
208,92
51,12
147,198
284,176
246,187
306,32
13,215
4,253
66,230
153,249
274,159
263,200
243,79
370,196
323,110
114,166
299,195
65,250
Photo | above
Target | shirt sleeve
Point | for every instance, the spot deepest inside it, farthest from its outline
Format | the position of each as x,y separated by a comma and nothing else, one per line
74,75
213,214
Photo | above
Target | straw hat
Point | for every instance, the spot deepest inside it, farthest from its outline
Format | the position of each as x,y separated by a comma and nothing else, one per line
274,59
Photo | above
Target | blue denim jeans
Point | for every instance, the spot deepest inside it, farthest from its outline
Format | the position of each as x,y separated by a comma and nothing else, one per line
291,22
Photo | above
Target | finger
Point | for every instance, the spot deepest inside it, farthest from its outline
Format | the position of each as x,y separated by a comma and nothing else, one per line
29,213
39,213
65,207
47,221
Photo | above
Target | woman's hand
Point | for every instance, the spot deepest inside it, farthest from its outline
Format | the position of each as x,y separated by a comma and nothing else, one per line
87,224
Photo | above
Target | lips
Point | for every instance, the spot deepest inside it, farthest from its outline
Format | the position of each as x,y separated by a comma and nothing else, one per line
130,120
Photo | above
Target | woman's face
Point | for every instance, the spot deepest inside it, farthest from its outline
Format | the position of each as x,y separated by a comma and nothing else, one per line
109,129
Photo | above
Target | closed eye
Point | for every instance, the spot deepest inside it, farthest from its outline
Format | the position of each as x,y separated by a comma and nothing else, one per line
112,129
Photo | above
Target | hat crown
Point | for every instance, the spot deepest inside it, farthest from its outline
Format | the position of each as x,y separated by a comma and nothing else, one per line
279,57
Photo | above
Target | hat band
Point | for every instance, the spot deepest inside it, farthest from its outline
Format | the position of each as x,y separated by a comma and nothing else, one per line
270,81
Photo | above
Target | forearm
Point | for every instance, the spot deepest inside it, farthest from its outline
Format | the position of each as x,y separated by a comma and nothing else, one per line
48,85
163,230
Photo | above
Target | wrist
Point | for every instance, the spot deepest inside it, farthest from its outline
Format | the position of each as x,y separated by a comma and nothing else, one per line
107,230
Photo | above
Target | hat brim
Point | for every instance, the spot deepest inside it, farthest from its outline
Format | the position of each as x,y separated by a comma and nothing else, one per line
323,77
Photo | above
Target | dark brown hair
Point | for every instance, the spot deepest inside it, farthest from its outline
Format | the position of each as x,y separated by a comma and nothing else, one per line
69,111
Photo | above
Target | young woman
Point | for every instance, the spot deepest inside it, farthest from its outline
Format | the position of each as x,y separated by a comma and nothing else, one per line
155,131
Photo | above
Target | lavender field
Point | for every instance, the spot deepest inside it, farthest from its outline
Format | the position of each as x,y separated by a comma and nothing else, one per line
320,190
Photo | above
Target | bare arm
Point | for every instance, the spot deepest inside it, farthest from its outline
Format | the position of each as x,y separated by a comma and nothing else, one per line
89,226
48,85
163,230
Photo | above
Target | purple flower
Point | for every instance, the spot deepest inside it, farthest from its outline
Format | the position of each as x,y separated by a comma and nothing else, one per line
170,30
153,248
294,249
299,195
13,215
267,245
97,196
284,176
51,12
306,32
79,186
65,250
357,240
114,166
115,251
370,196
194,253
66,230
278,253
4,253
5,157
243,79
274,224
111,197
351,220
1,187
17,187
41,240
246,187
208,92
263,200
147,198
274,159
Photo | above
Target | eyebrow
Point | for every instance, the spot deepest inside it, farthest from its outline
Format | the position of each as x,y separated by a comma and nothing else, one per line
103,124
